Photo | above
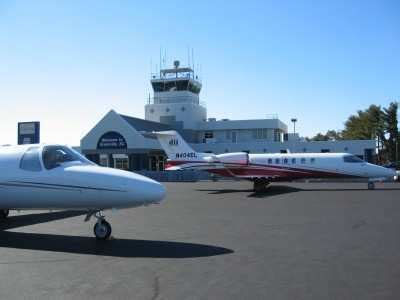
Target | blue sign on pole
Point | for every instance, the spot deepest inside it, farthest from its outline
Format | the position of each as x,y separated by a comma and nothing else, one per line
28,133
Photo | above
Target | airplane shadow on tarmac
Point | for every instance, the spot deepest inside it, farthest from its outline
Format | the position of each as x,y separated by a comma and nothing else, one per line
275,190
91,246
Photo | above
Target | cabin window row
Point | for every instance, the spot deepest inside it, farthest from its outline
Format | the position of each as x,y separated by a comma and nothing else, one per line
286,161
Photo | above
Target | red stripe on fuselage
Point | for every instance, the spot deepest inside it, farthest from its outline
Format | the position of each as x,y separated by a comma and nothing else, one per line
271,171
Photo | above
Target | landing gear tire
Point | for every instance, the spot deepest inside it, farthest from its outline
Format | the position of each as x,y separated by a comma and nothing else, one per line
102,230
371,185
260,185
4,213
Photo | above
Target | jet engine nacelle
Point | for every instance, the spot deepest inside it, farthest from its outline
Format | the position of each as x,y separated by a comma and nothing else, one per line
241,158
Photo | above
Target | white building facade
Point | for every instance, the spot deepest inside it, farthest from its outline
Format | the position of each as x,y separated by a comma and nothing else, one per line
121,141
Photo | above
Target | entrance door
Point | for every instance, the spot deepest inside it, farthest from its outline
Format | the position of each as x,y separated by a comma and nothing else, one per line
121,161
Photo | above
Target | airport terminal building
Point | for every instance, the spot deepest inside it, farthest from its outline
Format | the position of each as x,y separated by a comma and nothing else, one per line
122,141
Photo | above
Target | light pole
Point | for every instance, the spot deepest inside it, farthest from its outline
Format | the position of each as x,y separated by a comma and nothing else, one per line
294,120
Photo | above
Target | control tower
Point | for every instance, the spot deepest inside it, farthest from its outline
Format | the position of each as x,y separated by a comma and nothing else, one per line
176,98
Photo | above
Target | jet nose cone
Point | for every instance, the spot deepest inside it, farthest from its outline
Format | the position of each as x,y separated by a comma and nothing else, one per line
387,172
391,173
155,192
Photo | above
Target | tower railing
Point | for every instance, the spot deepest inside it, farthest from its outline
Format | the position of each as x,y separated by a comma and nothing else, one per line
188,75
175,99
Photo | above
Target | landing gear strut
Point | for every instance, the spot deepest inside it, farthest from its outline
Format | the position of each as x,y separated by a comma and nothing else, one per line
102,229
260,184
371,185
4,213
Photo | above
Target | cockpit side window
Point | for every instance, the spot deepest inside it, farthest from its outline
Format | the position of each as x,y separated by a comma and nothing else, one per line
352,159
54,156
30,161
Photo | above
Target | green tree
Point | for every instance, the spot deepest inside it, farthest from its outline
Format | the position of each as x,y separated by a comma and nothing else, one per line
365,125
375,123
319,137
392,131
330,135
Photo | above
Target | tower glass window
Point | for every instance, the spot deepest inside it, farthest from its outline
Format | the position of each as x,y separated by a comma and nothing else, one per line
209,135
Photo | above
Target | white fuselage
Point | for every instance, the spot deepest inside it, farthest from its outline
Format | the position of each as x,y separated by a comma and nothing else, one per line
286,166
319,165
27,183
268,167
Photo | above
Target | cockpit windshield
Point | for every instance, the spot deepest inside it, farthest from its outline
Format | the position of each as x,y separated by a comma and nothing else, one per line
352,159
54,156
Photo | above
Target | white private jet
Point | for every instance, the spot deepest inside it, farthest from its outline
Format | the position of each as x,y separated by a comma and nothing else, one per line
57,177
263,169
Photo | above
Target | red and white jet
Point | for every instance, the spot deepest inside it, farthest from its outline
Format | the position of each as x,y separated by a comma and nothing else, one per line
263,169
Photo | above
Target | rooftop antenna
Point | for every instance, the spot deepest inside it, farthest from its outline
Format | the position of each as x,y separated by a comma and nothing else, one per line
188,56
165,58
160,60
193,60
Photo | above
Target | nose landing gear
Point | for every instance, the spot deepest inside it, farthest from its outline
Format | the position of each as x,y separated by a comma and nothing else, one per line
102,229
371,185
4,213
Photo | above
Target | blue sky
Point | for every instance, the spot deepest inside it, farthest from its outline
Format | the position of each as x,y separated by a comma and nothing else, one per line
67,63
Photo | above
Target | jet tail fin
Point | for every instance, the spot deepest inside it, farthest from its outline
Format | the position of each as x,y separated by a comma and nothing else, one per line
176,147
182,157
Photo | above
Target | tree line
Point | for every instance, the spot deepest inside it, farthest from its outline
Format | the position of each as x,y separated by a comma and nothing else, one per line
377,123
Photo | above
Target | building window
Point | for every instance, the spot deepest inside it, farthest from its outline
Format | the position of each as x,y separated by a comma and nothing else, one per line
325,150
269,160
283,151
277,161
151,110
285,161
285,137
260,133
346,149
209,135
293,161
312,160
121,163
264,150
183,108
161,163
304,149
277,135
167,109
226,150
234,136
303,160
